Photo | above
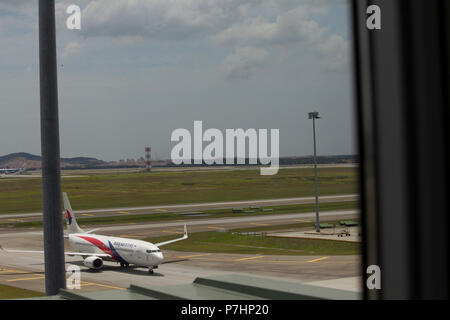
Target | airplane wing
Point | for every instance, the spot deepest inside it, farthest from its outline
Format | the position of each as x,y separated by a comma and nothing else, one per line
82,254
185,236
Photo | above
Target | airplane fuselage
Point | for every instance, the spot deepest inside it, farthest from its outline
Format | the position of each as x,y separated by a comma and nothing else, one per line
122,250
12,171
9,171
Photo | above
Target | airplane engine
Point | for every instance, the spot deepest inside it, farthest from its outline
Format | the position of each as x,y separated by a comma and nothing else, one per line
93,262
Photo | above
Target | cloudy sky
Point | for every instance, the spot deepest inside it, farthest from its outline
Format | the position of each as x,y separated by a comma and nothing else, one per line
138,69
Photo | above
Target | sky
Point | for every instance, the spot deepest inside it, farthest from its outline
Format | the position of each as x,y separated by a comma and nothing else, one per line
139,69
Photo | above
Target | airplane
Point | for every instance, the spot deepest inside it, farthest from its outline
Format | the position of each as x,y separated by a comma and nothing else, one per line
11,171
94,248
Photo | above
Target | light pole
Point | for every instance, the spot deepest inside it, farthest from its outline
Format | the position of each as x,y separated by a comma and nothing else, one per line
315,115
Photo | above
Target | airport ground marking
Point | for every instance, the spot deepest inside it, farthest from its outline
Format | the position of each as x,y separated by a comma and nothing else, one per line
297,262
318,259
275,262
161,210
26,279
18,271
259,224
249,258
170,231
6,271
300,220
124,212
87,214
85,283
218,228
196,255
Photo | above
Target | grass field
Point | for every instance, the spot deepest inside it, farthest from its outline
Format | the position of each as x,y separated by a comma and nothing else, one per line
176,187
232,242
7,292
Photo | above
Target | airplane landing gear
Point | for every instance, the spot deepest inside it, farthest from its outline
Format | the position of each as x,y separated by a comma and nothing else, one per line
150,271
124,265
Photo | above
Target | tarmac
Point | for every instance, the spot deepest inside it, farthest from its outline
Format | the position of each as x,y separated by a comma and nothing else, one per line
27,270
350,234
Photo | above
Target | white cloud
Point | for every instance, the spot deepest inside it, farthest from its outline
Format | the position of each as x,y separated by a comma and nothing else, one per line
244,62
281,27
289,27
176,19
71,49
163,19
290,34
334,53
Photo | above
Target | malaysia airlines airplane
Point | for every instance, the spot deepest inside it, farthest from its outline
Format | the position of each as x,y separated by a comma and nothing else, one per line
94,249
11,171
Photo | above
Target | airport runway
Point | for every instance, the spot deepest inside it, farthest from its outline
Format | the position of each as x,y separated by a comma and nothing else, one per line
26,270
70,173
36,216
142,230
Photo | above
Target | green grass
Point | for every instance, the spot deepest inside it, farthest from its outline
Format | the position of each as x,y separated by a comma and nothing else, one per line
7,292
217,213
231,242
280,227
177,187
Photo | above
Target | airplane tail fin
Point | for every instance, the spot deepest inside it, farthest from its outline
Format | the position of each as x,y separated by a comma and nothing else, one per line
72,225
23,167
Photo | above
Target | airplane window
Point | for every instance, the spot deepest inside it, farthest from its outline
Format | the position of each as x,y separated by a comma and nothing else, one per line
188,104
245,102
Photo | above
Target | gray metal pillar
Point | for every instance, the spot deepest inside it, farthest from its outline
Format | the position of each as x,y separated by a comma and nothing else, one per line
51,175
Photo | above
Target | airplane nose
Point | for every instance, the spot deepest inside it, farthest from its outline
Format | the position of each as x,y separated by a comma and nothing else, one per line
157,258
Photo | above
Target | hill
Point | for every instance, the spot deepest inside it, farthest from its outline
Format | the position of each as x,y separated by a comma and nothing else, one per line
15,160
23,155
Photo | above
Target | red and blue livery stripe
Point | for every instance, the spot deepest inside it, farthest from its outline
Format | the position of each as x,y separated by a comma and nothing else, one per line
108,250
